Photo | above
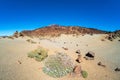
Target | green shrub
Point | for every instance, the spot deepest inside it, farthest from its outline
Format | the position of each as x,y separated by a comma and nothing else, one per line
31,54
28,40
38,54
84,74
58,65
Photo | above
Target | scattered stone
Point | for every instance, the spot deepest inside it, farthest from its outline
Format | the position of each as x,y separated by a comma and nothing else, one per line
106,75
19,62
117,69
76,44
79,60
100,64
65,48
64,42
77,69
102,39
90,55
78,51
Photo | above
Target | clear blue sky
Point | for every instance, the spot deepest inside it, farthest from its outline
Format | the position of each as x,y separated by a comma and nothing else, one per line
30,14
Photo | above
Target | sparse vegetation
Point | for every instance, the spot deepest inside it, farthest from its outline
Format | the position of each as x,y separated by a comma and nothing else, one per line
10,37
102,39
31,41
91,34
38,54
4,36
110,38
28,40
84,74
58,65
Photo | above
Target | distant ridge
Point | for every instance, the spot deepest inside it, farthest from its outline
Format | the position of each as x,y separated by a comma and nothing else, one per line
57,30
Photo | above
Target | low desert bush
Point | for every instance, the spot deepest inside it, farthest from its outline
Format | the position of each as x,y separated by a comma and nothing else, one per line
58,65
102,39
38,54
84,74
28,40
10,37
31,41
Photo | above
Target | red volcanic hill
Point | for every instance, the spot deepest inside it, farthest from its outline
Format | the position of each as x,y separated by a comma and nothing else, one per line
57,30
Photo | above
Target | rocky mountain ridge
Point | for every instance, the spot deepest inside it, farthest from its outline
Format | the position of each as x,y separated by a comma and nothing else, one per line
56,30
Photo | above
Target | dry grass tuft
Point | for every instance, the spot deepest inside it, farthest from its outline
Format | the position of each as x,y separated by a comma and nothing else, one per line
38,54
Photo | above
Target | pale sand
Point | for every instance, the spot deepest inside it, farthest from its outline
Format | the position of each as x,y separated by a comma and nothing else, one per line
12,51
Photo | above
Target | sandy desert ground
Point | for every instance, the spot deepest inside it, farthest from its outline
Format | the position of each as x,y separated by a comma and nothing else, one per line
12,51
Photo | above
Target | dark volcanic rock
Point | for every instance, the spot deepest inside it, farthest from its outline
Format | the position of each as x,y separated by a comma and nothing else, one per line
100,64
79,59
90,55
117,69
78,51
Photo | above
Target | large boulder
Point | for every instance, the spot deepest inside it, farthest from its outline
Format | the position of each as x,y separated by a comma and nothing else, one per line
90,55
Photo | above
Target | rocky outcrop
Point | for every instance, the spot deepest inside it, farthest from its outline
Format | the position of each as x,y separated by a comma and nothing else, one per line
17,34
113,35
